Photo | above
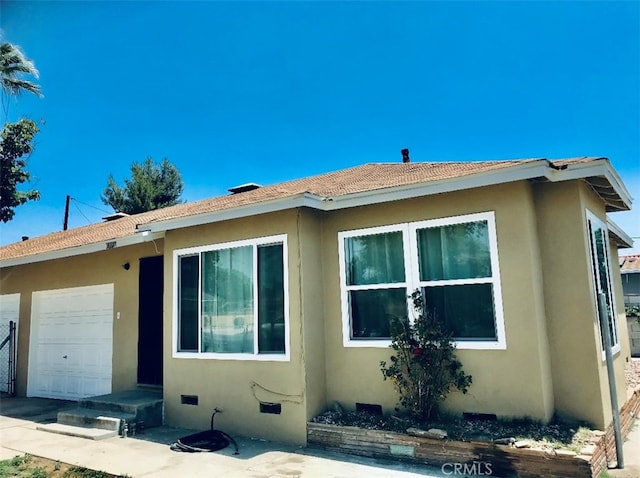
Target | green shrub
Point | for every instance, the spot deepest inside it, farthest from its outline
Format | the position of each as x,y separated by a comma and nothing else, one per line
424,367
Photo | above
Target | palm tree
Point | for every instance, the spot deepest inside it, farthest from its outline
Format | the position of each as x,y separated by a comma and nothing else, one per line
13,63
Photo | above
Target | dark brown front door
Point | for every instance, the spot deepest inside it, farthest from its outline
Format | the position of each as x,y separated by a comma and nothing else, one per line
150,321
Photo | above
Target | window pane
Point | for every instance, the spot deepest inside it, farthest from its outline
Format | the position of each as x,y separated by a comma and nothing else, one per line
603,281
458,251
271,299
227,300
372,311
466,310
188,303
375,259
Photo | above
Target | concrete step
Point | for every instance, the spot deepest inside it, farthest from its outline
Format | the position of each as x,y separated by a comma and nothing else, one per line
93,418
75,431
145,405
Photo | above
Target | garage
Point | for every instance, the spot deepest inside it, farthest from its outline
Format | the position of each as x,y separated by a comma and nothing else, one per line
71,343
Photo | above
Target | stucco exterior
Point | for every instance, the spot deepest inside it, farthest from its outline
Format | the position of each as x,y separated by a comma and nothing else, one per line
547,298
353,375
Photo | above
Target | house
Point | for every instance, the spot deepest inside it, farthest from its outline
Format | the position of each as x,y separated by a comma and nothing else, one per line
274,302
630,270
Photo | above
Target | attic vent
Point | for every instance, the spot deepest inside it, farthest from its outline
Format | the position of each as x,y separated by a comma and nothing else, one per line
117,215
243,188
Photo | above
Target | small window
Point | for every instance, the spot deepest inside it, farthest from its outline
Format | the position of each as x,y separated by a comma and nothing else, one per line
232,300
601,275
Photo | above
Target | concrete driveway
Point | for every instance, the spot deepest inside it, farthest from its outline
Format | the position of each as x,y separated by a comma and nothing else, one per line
148,455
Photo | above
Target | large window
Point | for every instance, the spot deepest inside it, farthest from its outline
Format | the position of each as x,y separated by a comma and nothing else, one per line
231,300
453,261
601,270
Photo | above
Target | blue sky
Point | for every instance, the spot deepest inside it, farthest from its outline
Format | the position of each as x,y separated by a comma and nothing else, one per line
235,92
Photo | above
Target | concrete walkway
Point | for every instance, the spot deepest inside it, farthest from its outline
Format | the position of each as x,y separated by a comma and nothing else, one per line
631,450
149,455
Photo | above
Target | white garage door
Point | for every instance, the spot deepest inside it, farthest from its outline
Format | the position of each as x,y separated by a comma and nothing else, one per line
9,311
71,343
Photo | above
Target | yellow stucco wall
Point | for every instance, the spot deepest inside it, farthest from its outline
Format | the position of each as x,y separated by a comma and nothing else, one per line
312,299
238,386
579,374
99,268
353,374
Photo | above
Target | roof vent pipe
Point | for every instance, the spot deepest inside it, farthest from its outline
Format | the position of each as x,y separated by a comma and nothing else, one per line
405,155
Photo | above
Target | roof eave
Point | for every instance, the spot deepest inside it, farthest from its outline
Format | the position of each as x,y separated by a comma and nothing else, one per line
619,237
534,169
520,172
99,246
621,200
274,205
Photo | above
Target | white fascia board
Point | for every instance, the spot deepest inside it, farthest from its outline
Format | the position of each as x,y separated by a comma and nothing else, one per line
618,231
298,200
513,173
124,241
593,169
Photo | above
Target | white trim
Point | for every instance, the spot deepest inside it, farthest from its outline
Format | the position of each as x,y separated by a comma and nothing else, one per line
595,168
253,209
412,277
254,243
619,232
591,218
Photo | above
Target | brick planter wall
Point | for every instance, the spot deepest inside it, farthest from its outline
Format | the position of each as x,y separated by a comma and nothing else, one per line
480,458
605,451
483,458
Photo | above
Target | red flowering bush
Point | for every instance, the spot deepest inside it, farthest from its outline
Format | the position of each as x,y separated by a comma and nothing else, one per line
424,367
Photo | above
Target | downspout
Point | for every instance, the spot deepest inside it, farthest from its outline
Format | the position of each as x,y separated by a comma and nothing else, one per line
604,317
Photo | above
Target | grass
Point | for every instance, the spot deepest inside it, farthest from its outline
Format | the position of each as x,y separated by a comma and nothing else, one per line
28,466
557,434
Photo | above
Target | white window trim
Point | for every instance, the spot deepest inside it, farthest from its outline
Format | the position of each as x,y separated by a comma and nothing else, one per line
592,218
412,277
271,357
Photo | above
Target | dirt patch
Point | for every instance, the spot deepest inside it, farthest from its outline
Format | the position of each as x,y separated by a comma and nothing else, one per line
29,466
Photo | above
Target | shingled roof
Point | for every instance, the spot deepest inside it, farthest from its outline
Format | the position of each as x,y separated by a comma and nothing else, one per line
630,263
334,189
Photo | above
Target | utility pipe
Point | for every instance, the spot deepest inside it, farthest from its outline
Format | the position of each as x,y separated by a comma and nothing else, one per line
604,319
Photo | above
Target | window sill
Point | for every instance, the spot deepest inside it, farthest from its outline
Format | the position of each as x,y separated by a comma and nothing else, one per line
615,351
238,357
467,345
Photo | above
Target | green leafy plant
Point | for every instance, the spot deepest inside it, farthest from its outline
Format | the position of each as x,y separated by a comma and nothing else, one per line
424,367
633,311
38,472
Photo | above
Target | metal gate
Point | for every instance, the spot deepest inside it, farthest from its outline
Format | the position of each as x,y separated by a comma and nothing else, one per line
8,358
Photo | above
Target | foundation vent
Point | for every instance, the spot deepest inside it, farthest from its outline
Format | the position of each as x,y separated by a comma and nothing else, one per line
189,399
274,408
